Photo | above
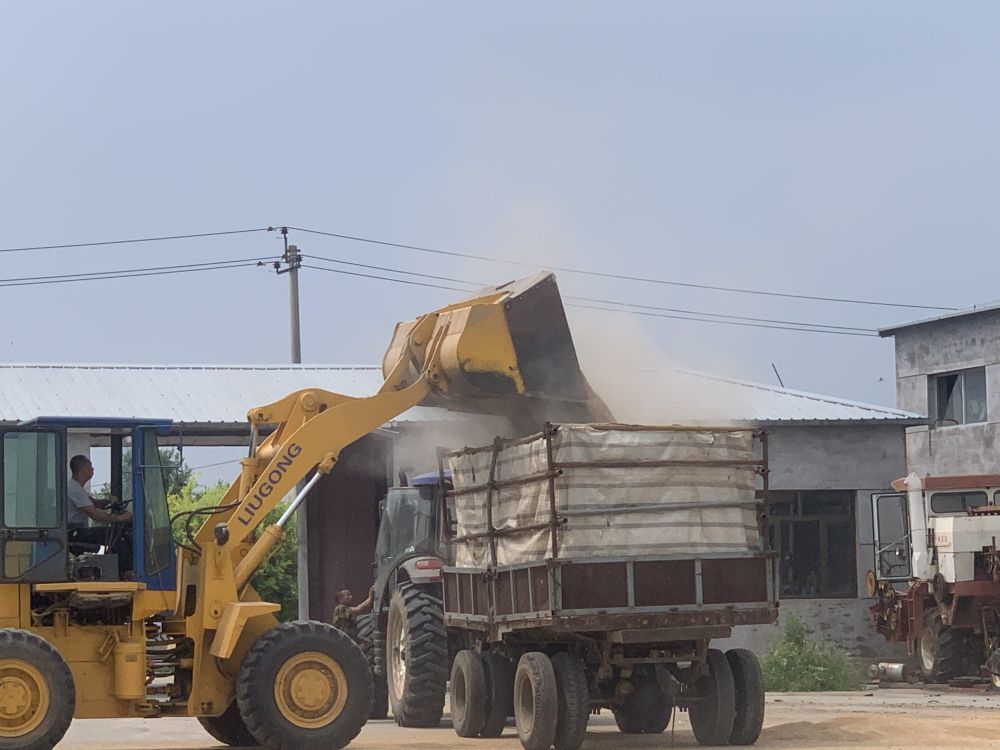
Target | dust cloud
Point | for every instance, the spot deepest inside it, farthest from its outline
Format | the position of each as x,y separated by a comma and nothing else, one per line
639,383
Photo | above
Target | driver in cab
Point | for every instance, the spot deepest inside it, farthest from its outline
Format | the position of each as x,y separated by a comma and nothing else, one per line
82,506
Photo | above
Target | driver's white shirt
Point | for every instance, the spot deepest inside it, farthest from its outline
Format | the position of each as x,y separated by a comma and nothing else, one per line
78,498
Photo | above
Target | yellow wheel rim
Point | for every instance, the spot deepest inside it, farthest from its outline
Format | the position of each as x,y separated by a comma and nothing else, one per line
310,689
24,698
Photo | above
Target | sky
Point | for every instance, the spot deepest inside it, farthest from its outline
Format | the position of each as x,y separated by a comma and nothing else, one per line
842,149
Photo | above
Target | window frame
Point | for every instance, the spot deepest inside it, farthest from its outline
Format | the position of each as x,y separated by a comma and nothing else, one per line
935,389
797,500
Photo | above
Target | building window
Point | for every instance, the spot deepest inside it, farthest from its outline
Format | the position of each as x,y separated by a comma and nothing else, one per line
960,397
813,534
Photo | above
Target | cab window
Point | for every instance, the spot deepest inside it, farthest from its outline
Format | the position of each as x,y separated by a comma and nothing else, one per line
957,502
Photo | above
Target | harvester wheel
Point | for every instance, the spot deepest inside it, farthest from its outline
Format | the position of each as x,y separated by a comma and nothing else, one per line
574,700
749,684
416,657
37,695
944,652
499,675
468,694
536,708
229,728
372,644
304,686
647,710
713,716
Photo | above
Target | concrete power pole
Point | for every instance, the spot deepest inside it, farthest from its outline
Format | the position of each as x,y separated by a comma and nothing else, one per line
293,261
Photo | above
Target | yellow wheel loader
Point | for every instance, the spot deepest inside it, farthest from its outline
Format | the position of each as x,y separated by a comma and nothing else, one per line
186,634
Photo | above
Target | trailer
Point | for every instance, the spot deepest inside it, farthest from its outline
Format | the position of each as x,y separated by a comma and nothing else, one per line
591,567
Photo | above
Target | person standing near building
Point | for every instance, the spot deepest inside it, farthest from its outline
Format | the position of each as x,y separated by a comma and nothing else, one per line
345,617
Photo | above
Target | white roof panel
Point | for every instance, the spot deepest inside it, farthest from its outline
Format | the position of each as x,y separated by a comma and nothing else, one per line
188,394
222,394
686,396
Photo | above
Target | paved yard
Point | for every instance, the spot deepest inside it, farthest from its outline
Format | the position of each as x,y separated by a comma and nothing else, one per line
899,718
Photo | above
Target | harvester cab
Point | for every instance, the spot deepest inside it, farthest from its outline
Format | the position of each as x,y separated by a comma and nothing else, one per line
936,575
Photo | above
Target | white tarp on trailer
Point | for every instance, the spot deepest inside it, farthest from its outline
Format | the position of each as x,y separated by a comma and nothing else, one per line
611,510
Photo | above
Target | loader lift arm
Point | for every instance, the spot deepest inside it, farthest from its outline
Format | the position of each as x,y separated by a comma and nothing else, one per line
484,347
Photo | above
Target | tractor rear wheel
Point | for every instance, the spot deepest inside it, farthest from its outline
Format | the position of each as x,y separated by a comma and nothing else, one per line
304,686
944,652
416,657
229,728
372,644
37,695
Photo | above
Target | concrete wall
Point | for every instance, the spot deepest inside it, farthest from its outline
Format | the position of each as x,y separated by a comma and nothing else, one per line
861,458
940,347
842,621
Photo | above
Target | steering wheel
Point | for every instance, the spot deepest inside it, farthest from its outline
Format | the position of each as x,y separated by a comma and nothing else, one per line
119,506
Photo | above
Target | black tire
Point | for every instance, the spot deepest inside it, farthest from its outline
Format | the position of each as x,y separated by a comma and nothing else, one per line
536,708
647,710
229,728
49,671
419,701
499,693
749,685
713,716
574,701
944,653
263,674
373,647
468,694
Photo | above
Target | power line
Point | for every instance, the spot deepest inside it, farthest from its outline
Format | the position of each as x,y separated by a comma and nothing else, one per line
621,277
134,240
126,273
721,322
606,301
603,309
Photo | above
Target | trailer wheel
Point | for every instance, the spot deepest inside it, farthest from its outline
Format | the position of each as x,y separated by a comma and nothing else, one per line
37,695
373,647
416,657
713,716
943,651
647,710
229,728
468,694
499,686
536,708
749,684
574,701
304,686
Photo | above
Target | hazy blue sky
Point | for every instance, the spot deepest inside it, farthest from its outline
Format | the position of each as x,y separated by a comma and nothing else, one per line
845,149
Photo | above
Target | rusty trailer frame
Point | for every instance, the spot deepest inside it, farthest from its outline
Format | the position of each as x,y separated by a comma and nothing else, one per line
634,599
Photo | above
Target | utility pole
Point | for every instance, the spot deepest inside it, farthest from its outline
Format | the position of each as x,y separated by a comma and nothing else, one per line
293,261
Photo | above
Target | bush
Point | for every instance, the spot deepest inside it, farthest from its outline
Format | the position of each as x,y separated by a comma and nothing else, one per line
798,663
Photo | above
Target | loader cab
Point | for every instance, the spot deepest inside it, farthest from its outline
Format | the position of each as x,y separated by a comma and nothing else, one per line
34,544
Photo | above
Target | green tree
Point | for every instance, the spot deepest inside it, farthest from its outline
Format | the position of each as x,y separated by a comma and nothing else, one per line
276,581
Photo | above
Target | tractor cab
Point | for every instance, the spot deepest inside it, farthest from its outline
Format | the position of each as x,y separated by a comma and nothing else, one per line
35,544
410,530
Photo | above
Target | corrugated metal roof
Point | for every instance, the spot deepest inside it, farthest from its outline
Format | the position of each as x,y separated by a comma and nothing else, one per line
984,308
221,395
188,394
690,396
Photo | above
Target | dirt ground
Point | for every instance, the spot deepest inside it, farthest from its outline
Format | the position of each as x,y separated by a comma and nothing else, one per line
890,718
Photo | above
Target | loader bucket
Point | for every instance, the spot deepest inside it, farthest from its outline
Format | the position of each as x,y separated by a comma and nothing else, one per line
507,342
